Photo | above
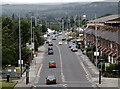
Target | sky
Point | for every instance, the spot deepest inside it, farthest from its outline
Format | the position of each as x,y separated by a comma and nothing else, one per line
44,1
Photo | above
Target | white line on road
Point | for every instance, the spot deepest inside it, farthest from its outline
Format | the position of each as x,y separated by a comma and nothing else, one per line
38,74
62,75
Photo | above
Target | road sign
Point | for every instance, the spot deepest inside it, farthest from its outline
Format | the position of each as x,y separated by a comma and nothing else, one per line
9,70
21,61
96,53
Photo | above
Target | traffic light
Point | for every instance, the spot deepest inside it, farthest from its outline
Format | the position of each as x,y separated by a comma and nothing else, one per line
27,67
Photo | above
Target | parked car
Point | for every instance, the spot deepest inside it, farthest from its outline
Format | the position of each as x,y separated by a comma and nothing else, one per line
51,79
70,44
74,49
52,64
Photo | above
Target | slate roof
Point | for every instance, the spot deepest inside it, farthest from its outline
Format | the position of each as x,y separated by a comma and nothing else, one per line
105,19
107,35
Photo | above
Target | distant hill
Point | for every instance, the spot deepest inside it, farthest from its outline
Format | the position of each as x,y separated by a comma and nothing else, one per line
60,10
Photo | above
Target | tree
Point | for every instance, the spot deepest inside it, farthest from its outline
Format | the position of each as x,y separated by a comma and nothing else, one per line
44,29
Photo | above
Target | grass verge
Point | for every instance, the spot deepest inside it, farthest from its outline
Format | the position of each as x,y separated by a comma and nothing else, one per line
8,85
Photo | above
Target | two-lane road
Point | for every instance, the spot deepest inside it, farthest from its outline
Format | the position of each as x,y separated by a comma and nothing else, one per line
69,71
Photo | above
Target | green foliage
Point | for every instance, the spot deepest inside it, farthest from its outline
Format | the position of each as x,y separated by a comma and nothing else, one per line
10,85
112,67
90,54
55,26
10,40
39,40
44,28
25,31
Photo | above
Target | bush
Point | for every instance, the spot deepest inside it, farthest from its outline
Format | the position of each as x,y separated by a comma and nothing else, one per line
90,53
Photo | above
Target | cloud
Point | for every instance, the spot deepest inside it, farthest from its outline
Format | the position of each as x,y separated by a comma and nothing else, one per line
45,1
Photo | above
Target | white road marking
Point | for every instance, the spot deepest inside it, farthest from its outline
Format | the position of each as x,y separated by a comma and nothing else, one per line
38,74
62,75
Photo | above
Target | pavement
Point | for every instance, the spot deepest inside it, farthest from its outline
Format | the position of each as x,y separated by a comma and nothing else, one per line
34,70
93,72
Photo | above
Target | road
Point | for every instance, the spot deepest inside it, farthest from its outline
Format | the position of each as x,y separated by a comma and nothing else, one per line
69,71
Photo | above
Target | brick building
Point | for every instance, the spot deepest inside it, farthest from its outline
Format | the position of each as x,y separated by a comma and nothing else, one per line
108,36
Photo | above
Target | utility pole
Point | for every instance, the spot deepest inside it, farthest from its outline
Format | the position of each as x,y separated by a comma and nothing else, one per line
20,48
62,27
75,28
35,21
31,30
96,40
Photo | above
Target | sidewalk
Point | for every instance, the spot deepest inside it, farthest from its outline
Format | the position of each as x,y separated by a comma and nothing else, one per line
94,73
34,68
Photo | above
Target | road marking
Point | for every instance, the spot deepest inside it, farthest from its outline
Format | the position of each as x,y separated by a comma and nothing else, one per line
62,75
38,74
86,71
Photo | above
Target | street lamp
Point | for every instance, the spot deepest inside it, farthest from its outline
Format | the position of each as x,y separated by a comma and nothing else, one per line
20,48
33,32
96,40
84,18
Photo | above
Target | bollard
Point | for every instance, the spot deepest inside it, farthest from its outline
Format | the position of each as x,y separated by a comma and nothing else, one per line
8,77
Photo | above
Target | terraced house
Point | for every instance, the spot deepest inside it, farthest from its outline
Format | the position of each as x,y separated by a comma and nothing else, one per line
108,36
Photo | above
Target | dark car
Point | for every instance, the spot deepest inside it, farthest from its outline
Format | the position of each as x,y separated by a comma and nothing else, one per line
63,39
51,79
50,52
50,48
50,44
47,41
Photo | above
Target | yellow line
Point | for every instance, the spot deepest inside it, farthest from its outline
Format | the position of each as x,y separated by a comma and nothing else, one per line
38,74
84,68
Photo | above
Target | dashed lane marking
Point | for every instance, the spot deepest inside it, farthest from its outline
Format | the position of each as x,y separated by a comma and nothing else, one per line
38,74
62,75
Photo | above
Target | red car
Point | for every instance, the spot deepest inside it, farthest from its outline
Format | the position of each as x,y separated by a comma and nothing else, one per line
74,49
52,64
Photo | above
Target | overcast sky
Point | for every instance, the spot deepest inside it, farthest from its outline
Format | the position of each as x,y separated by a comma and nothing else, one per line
44,1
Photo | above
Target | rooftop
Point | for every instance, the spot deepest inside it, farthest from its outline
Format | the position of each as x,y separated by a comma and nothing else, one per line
105,19
107,35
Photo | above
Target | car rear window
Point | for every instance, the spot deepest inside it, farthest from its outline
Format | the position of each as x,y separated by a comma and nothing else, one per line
51,77
52,62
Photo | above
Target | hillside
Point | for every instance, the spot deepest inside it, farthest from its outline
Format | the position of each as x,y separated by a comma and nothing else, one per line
59,10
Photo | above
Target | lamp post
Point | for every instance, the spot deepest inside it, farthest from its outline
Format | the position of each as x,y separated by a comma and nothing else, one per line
96,40
84,18
20,48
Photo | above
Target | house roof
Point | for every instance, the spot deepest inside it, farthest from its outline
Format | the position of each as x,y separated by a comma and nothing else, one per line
107,35
105,19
